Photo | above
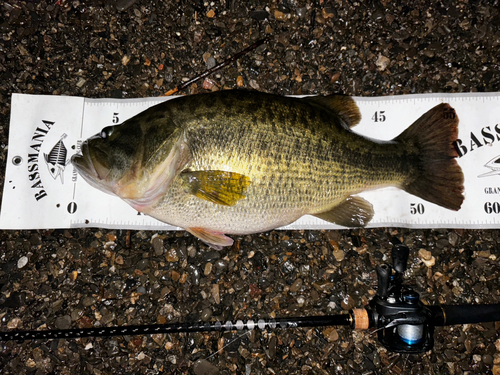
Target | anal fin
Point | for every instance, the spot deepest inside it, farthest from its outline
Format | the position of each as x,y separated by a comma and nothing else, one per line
212,239
354,211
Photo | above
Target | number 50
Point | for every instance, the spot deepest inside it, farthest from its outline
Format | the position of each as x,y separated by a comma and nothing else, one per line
417,208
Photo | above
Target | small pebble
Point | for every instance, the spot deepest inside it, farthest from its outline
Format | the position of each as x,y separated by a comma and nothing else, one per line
453,238
238,285
484,253
203,367
142,264
175,275
211,256
76,314
216,293
210,62
158,338
208,269
339,255
322,285
272,347
280,16
122,5
382,62
208,84
221,265
191,251
301,12
301,301
347,303
206,314
23,261
13,323
63,322
157,245
426,257
88,301
297,284
171,255
331,334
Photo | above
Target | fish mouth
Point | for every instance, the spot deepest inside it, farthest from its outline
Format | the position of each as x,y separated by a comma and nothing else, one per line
90,167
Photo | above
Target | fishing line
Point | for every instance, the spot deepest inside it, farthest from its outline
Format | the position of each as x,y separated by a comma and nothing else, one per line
229,343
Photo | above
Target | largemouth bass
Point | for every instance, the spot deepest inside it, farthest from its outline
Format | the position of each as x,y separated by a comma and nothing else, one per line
241,162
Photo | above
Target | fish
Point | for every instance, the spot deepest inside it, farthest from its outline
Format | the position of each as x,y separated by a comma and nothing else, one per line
241,162
56,159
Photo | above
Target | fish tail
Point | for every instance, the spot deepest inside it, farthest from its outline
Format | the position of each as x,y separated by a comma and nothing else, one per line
438,178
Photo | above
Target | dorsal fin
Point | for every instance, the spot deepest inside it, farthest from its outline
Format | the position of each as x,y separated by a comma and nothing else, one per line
343,105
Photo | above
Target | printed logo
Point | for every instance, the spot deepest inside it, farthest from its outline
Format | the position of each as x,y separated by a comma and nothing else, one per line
494,166
475,141
33,170
56,159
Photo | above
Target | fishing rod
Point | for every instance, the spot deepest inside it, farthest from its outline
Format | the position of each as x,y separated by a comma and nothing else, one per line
403,323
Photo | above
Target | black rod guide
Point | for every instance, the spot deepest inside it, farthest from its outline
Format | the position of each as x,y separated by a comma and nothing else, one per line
403,323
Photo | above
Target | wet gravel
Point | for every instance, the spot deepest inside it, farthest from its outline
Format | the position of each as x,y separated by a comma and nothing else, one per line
98,277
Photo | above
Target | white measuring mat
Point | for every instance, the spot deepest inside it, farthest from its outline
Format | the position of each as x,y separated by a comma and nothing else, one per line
43,190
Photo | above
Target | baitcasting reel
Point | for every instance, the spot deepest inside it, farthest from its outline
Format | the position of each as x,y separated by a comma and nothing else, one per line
404,324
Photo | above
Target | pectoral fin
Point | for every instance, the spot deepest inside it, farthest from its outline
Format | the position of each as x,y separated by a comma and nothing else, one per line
219,187
212,239
352,212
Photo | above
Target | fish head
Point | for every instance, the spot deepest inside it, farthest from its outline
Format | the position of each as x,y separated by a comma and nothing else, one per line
135,161
110,160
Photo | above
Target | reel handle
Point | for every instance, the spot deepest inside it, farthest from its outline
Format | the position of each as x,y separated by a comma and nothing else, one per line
400,253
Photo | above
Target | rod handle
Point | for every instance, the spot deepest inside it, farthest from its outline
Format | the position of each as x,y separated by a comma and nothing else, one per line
447,315
361,319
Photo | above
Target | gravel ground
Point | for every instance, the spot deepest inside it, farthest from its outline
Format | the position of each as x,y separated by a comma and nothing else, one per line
98,277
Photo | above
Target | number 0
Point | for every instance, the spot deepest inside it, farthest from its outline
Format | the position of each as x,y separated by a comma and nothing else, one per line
72,207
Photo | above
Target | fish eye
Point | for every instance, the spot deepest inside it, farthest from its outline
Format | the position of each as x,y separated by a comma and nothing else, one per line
106,132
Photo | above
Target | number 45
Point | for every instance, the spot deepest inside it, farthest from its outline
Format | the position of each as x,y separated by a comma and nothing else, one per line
379,116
